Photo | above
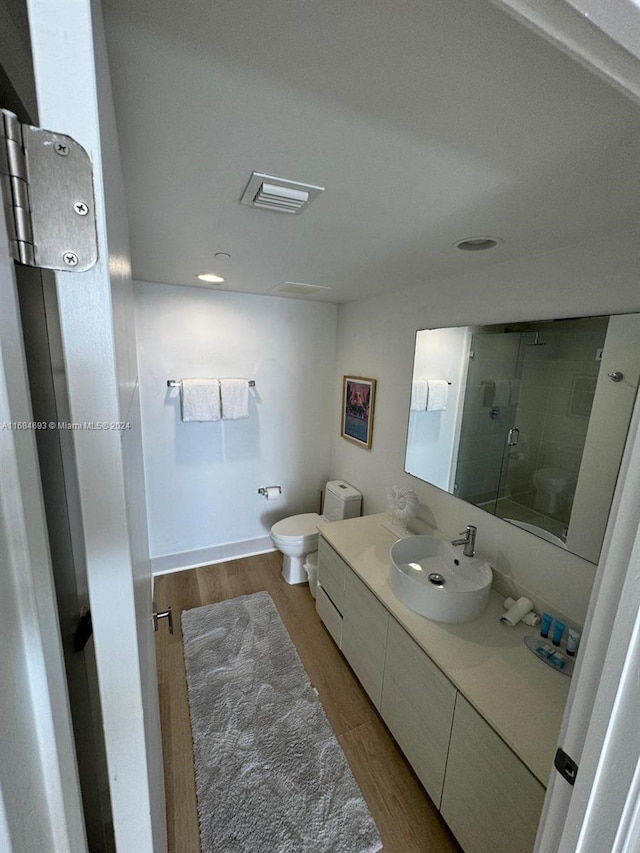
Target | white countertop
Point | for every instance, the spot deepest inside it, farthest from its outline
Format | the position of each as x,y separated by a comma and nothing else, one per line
522,698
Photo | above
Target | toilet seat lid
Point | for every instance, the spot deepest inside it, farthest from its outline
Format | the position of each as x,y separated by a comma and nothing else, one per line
298,525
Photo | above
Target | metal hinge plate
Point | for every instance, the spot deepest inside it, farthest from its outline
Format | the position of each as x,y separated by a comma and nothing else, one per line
47,187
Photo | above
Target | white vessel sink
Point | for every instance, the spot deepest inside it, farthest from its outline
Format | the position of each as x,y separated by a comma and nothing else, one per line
435,579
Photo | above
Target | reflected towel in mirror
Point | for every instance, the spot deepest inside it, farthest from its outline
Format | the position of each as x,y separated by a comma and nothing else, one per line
438,395
419,394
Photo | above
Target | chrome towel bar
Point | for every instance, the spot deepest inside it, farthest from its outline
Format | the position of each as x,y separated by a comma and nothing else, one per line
176,383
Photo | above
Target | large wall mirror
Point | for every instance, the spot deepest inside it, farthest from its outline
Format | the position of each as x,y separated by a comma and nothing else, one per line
528,420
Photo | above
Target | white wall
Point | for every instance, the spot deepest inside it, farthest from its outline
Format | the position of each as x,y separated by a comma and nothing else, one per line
202,479
595,277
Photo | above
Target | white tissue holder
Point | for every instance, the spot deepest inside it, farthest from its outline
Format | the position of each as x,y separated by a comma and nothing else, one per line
266,490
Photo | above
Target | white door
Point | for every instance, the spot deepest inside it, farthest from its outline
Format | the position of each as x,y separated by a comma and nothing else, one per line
40,805
98,338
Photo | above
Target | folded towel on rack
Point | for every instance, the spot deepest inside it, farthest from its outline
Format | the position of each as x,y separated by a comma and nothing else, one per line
419,395
235,398
200,400
438,395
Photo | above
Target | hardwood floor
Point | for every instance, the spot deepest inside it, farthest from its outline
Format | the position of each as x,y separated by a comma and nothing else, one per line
407,820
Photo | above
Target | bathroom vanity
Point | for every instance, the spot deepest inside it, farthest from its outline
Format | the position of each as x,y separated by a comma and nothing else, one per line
476,714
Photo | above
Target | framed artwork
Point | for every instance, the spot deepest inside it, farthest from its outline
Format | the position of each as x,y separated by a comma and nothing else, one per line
358,398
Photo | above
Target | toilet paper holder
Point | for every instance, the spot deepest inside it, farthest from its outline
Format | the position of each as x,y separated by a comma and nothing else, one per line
266,491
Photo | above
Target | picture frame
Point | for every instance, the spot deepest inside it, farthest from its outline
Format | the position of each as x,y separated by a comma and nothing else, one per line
358,401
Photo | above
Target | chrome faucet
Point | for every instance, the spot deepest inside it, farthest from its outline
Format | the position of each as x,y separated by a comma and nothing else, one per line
468,540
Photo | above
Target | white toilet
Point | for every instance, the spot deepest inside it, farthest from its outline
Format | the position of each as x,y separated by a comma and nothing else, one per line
550,489
297,535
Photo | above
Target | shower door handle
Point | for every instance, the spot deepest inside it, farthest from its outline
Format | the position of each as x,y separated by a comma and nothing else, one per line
513,437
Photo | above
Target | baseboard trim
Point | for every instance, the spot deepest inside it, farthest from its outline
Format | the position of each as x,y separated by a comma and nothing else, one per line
168,563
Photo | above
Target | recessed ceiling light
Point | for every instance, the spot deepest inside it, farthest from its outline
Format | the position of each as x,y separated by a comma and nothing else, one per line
210,277
477,244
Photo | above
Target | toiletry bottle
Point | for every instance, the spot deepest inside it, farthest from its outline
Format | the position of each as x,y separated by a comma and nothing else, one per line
573,638
558,631
545,625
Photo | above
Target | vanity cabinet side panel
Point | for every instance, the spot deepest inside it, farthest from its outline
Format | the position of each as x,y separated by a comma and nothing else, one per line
331,573
364,635
490,799
417,706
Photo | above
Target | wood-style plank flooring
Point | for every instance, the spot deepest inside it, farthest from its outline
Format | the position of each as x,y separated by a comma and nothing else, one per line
406,818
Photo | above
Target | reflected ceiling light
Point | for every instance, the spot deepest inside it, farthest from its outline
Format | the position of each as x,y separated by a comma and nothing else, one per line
210,278
477,244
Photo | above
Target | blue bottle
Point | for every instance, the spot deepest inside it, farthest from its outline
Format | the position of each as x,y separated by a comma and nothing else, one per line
558,631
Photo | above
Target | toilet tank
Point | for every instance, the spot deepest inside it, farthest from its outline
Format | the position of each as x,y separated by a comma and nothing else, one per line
341,501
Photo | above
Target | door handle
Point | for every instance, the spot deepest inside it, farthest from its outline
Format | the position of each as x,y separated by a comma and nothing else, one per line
514,437
163,614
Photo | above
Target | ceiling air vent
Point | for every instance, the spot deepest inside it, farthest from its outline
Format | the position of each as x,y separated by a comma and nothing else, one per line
271,193
297,288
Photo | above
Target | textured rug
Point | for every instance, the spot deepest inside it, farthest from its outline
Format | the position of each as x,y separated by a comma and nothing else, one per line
270,775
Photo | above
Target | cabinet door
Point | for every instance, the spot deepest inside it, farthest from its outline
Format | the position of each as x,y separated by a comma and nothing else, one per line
364,635
331,573
417,706
490,800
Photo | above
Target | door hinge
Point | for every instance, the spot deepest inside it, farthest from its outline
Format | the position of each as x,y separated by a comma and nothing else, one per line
566,766
47,187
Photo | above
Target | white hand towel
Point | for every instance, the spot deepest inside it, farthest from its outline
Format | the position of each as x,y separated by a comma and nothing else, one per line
200,400
419,394
235,398
438,395
531,618
517,611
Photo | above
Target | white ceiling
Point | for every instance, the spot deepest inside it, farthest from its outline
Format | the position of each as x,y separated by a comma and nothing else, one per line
426,122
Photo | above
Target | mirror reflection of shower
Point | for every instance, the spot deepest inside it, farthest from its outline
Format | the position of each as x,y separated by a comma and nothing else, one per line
528,397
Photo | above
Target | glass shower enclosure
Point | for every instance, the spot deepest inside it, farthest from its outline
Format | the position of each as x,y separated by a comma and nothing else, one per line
528,397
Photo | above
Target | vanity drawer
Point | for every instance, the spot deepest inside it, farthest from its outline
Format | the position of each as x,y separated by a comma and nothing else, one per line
330,616
331,573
